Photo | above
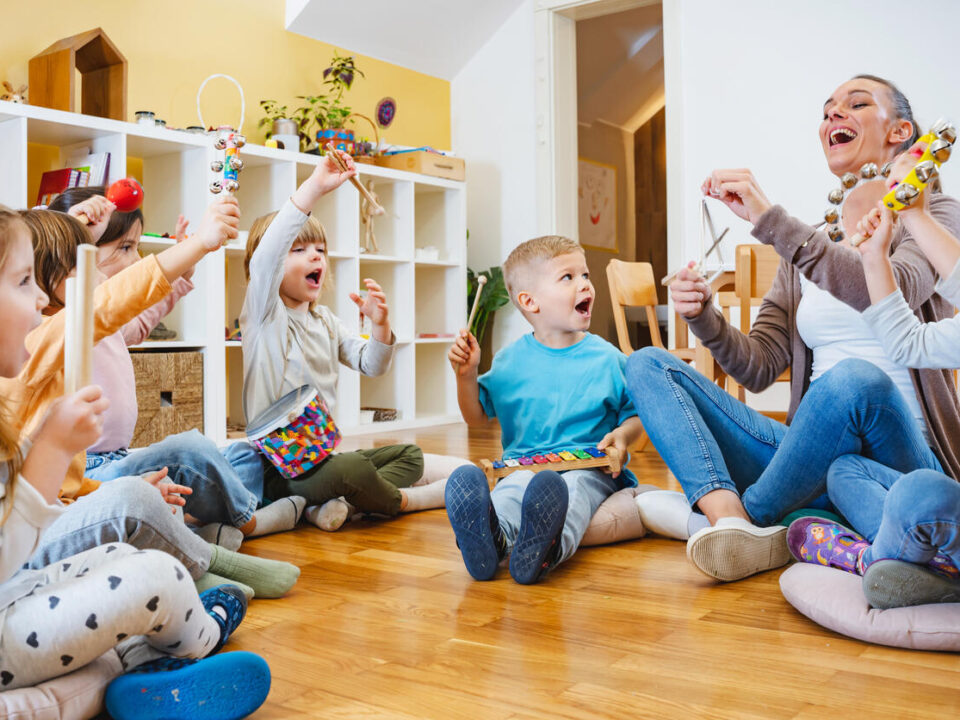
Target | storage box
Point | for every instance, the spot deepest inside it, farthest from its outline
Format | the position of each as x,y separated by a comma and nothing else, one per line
426,163
169,394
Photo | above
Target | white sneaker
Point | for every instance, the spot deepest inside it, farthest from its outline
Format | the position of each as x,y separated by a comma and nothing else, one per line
734,549
665,512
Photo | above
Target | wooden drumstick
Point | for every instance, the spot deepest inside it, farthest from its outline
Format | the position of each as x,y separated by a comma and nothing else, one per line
481,281
375,208
78,332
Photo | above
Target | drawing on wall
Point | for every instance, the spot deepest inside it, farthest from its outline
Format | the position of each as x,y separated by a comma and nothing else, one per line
598,205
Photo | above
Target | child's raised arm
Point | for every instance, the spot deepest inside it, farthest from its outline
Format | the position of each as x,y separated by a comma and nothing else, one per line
464,356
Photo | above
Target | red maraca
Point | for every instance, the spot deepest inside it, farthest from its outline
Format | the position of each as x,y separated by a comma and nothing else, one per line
125,193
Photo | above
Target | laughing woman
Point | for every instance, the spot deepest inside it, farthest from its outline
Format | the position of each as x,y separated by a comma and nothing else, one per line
743,471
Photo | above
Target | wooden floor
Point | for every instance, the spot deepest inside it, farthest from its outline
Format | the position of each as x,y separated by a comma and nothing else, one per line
386,623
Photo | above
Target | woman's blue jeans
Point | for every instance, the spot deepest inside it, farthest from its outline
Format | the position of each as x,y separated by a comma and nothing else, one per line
227,486
712,441
907,517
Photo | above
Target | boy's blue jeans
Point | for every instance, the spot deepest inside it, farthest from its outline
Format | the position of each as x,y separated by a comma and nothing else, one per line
712,441
227,486
907,517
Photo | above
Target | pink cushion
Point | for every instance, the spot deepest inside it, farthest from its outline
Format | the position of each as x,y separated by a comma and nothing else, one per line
76,696
834,598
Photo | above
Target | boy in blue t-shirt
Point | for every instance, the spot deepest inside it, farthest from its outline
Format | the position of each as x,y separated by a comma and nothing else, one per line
559,388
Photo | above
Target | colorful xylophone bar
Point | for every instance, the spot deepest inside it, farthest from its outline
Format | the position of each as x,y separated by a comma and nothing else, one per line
560,461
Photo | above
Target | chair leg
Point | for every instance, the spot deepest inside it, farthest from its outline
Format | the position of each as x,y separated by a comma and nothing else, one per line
642,442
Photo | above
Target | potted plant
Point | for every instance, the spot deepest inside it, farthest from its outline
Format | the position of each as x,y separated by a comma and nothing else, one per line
278,121
494,297
327,112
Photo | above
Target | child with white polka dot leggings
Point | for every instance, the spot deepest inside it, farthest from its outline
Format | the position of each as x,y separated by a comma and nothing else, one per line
142,599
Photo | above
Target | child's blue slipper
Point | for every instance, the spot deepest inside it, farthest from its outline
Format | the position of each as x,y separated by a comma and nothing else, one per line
223,687
475,522
542,515
232,602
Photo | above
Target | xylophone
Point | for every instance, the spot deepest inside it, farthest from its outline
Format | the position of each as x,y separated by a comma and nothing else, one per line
559,461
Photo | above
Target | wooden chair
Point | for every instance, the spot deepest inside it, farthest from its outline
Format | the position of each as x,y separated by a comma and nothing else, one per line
756,269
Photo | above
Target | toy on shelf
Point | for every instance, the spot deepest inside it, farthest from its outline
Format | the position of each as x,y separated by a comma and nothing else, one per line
706,225
375,208
125,193
925,173
366,217
16,96
560,462
234,334
230,141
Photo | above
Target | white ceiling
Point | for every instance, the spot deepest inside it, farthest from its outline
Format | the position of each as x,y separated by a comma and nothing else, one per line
436,37
620,67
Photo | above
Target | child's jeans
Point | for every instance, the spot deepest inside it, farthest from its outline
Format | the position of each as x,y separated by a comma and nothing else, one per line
88,603
368,479
587,489
227,486
907,517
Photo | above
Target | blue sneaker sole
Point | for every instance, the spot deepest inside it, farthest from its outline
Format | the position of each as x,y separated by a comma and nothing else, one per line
469,507
542,515
221,687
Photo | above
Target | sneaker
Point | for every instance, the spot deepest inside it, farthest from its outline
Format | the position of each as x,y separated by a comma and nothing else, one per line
734,549
824,542
544,510
475,524
224,687
666,513
895,583
227,605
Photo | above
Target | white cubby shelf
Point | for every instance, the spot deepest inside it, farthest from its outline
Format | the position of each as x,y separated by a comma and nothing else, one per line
425,296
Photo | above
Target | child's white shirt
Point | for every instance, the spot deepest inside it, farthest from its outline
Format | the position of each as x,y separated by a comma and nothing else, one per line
913,343
284,348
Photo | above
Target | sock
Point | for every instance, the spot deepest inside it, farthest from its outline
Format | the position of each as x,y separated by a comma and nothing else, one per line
696,521
226,536
331,515
425,497
278,516
209,580
268,578
439,467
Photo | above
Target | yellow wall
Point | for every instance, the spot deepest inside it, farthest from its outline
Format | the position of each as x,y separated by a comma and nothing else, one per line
172,45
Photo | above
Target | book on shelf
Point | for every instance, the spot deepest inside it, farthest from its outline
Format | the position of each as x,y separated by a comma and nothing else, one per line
86,169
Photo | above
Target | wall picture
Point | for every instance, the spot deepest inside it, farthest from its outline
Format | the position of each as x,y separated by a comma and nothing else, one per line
597,193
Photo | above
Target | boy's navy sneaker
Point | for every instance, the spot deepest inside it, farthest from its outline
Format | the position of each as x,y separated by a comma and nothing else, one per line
474,522
223,687
231,600
542,515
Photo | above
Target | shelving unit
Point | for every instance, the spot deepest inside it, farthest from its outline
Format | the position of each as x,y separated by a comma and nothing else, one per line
425,295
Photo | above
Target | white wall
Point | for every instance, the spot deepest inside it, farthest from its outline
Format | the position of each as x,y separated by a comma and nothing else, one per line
493,128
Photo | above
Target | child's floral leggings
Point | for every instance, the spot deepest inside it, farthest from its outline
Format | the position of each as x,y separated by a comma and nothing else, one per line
143,602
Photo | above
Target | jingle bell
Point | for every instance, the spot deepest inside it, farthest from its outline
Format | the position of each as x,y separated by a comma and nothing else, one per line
869,171
848,180
836,196
221,143
940,149
231,185
215,187
906,193
216,165
835,234
240,140
236,163
926,171
831,216
887,167
945,131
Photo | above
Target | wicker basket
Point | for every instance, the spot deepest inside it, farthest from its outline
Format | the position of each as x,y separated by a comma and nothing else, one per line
169,394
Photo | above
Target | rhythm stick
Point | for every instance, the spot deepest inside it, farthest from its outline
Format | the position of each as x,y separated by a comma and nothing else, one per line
481,281
230,141
126,194
78,331
375,208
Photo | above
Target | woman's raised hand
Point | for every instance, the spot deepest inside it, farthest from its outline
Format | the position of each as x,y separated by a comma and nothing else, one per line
739,191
